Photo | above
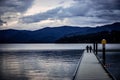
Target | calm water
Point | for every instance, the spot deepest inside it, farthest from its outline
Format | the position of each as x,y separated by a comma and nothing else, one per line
47,61
113,63
39,65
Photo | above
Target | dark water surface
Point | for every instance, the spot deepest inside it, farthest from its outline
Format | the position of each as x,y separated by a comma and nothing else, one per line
38,65
48,61
113,63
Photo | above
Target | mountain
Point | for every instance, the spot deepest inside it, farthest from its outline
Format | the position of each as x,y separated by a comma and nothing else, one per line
50,35
111,37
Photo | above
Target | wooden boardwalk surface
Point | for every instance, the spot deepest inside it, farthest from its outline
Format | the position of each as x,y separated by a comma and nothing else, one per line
91,69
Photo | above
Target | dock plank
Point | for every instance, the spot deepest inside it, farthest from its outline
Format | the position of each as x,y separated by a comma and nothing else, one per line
91,69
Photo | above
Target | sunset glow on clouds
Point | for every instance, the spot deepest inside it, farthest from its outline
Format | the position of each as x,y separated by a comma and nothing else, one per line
37,14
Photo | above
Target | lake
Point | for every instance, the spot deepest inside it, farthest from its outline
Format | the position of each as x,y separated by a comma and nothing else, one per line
112,62
47,61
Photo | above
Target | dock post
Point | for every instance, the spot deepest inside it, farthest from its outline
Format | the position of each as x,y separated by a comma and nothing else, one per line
96,45
103,49
104,57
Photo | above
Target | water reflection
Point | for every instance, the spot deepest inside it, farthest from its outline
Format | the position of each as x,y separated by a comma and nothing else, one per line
113,63
39,65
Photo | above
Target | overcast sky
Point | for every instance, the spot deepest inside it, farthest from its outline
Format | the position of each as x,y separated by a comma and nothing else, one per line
37,14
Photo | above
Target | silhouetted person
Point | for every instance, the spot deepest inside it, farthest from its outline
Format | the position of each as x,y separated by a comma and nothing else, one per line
87,48
90,49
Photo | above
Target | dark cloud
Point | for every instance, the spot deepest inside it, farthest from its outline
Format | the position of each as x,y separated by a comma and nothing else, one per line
2,22
42,16
104,9
14,5
101,4
57,13
94,11
11,7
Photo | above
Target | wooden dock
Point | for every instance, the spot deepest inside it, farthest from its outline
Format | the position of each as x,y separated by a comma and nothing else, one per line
91,69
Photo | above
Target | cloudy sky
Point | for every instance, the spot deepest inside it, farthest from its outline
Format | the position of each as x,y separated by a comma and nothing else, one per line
37,14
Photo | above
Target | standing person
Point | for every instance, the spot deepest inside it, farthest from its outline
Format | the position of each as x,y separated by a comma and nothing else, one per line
87,48
90,49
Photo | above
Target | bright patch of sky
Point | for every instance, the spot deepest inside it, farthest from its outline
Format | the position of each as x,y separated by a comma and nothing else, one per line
40,6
